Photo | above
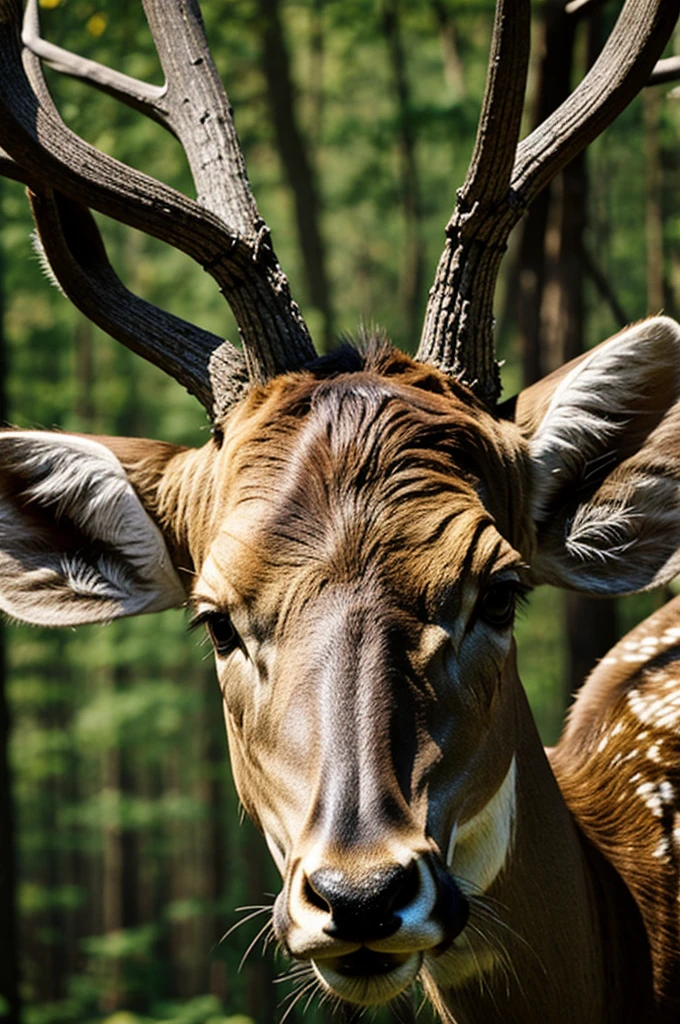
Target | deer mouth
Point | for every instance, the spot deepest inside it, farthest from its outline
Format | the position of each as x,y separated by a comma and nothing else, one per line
367,977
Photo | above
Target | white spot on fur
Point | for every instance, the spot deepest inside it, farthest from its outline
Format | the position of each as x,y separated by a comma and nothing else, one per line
662,849
656,796
666,792
659,712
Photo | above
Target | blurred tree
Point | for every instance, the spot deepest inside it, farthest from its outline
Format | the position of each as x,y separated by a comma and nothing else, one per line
10,1007
412,259
297,163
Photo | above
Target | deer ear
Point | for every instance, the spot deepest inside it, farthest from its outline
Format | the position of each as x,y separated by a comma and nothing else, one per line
76,544
604,434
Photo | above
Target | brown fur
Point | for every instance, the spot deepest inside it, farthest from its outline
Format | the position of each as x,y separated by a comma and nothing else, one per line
309,470
349,521
618,765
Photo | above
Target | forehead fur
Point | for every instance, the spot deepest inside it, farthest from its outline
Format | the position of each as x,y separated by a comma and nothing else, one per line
350,463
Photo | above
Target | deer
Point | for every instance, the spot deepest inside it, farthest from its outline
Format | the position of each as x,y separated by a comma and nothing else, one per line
355,537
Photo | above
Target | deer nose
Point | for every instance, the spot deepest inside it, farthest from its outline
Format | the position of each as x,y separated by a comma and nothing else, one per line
366,908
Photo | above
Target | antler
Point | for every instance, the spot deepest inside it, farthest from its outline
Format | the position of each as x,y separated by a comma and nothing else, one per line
504,178
222,230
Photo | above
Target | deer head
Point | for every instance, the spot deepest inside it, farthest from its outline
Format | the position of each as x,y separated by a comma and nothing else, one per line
356,534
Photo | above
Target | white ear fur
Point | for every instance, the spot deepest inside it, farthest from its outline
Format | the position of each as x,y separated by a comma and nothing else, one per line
606,458
76,544
596,402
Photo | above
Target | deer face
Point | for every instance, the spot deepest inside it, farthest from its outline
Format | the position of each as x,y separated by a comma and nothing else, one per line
359,592
355,548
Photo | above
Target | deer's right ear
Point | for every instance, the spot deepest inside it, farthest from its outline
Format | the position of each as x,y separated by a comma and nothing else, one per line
76,544
604,435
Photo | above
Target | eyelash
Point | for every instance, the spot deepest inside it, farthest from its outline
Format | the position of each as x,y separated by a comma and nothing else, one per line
516,591
198,620
225,645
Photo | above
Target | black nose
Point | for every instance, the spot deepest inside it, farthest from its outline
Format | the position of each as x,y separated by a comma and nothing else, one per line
365,908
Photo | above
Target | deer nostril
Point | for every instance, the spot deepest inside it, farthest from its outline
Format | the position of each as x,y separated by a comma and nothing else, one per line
408,889
315,898
366,908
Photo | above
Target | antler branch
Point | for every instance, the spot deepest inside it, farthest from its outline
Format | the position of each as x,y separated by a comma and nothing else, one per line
457,307
667,70
458,331
229,240
142,96
207,366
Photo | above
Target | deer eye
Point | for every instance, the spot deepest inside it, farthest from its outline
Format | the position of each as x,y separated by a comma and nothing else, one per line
497,603
222,633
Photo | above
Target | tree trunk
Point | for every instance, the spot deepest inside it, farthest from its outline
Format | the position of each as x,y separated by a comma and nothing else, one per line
411,282
120,869
453,67
9,933
316,72
296,161
10,1010
651,99
591,630
552,88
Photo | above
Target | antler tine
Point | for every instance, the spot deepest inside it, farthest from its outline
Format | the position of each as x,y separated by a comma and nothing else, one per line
458,331
9,168
274,335
192,104
457,306
207,366
622,69
211,369
146,98
201,115
665,71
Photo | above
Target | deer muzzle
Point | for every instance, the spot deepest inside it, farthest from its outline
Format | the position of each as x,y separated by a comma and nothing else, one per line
365,927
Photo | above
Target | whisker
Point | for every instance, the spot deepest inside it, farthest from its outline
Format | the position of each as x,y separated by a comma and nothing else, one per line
484,986
480,973
252,945
492,915
244,920
501,959
309,999
300,994
294,974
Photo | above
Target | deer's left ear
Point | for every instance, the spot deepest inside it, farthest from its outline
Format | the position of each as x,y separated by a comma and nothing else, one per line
76,543
604,434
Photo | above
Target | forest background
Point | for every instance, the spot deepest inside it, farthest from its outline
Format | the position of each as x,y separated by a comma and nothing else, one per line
357,118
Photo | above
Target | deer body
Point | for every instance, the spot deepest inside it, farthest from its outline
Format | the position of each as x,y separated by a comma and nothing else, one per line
355,538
